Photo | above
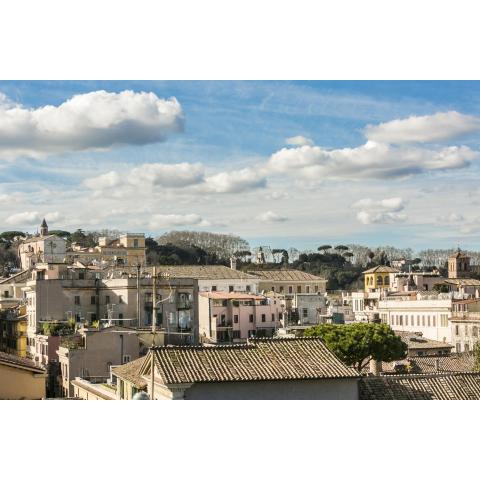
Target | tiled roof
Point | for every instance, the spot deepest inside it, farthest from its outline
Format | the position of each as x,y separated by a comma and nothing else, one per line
283,275
415,341
232,295
205,272
16,277
24,363
381,269
265,359
447,386
473,282
429,364
131,372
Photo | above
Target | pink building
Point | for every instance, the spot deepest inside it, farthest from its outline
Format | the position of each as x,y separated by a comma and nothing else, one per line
236,316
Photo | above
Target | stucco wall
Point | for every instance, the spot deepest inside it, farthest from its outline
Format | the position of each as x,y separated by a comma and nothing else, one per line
328,389
17,384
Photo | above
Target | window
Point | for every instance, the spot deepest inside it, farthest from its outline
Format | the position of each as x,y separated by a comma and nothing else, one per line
457,330
263,317
281,289
434,321
93,317
77,300
299,289
428,320
135,243
273,317
235,319
466,329
280,316
250,318
107,299
81,275
305,313
251,333
126,358
444,320
290,289
458,347
307,289
120,316
401,320
475,331
92,300
316,288
230,288
423,320
120,299
214,288
248,288
236,334
466,347
273,288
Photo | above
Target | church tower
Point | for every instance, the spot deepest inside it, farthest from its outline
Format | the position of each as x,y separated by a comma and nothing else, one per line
44,229
458,265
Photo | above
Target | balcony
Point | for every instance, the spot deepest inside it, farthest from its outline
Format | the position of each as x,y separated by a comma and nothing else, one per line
224,324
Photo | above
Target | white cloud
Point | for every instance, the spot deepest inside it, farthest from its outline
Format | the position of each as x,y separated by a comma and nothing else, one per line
271,217
107,180
54,217
450,218
387,210
236,181
95,120
429,128
298,141
24,218
167,175
175,220
371,160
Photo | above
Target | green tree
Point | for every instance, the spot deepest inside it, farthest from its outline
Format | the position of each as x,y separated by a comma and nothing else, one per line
324,248
356,344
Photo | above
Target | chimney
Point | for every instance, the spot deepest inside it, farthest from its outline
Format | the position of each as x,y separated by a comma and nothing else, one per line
233,263
375,367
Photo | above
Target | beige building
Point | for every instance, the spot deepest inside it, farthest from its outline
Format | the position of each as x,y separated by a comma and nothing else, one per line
275,369
20,379
91,353
288,282
128,249
42,248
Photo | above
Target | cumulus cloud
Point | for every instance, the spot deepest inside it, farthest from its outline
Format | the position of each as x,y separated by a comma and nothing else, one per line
235,181
107,180
429,128
167,175
271,217
450,218
95,120
387,210
176,220
371,160
32,218
298,141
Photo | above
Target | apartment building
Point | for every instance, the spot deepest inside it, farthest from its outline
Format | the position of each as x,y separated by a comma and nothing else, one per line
236,316
288,281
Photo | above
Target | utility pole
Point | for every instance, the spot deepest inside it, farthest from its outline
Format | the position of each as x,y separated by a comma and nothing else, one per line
139,321
154,327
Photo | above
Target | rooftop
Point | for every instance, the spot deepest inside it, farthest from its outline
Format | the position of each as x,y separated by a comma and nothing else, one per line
283,275
131,372
445,386
203,272
19,362
382,269
262,359
463,282
417,341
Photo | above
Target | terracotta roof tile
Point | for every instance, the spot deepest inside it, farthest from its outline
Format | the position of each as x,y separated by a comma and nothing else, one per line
265,359
448,386
131,372
14,361
283,275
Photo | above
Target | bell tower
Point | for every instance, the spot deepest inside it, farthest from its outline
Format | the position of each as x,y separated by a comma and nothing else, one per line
44,229
458,265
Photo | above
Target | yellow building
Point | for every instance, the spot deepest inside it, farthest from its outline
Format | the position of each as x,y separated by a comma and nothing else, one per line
21,379
378,278
13,331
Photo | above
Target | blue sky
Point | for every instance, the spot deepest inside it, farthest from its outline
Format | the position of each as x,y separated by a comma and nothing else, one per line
279,163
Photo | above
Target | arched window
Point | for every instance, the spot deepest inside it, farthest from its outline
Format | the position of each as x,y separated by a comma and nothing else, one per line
387,280
379,280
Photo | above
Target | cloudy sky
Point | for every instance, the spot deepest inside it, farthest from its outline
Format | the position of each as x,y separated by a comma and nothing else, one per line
279,163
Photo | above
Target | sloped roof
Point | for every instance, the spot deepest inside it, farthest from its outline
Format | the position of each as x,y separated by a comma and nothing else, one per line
382,269
430,364
473,282
131,372
447,386
206,272
19,362
284,274
415,341
265,359
16,277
